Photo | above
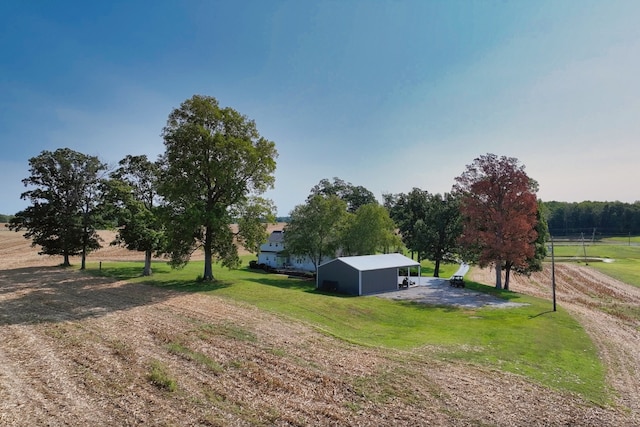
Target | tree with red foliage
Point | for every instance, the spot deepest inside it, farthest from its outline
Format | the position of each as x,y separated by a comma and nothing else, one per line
499,208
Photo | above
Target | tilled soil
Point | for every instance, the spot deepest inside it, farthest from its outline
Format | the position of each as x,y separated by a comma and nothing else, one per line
602,305
77,350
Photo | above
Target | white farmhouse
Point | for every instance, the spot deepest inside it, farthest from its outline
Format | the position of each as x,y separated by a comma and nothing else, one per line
274,254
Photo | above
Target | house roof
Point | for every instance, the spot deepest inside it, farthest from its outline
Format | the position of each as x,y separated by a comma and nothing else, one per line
376,262
276,236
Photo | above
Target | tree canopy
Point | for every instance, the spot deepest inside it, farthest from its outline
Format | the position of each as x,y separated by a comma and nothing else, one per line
593,219
368,231
499,210
134,198
215,165
429,224
315,228
354,196
66,195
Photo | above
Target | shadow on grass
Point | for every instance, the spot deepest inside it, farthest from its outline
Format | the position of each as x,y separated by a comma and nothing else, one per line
541,314
158,279
447,308
190,285
294,284
490,290
123,273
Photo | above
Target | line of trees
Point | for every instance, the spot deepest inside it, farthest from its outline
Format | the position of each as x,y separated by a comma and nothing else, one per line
212,173
605,218
491,217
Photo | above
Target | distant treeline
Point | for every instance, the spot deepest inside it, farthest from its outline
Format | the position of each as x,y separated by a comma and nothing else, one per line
5,218
593,219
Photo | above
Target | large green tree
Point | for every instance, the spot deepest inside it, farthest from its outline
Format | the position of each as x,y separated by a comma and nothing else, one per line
354,196
429,224
499,210
134,197
369,230
66,189
214,166
409,211
315,228
441,229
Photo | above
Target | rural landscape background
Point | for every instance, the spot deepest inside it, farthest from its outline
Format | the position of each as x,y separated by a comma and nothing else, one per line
395,95
84,348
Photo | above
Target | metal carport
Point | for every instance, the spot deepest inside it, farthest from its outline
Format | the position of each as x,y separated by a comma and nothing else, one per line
363,275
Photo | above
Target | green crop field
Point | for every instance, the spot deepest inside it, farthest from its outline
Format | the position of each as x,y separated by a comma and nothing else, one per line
547,347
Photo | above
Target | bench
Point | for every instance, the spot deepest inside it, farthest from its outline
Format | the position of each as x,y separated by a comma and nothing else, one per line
457,281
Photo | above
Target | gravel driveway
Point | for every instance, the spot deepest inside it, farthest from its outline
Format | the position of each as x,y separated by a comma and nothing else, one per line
437,291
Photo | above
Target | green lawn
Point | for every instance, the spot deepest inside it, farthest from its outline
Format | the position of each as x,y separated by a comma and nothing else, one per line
547,347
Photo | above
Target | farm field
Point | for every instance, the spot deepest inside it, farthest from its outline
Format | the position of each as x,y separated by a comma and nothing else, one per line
80,349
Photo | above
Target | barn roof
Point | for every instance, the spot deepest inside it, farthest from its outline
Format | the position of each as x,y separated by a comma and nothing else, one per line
377,262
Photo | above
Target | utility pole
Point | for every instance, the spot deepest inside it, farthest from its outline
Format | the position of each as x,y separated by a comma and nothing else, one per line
553,275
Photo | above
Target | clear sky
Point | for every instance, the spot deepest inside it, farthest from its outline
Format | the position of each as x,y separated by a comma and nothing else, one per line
389,95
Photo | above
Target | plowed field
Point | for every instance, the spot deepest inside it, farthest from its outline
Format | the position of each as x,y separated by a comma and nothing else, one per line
77,350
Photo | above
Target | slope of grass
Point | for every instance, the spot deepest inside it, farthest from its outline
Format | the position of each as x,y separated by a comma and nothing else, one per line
549,347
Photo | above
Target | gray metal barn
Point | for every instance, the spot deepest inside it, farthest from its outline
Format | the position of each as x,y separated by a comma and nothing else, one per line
363,275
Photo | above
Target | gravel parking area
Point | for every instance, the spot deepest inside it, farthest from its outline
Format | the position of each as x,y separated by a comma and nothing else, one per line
437,291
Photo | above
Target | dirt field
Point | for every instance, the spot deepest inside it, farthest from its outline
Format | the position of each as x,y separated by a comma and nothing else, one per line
78,350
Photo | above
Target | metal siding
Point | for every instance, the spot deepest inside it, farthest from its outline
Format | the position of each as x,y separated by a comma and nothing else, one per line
337,271
376,281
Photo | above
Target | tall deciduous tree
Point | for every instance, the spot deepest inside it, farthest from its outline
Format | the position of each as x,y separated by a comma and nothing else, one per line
499,207
66,197
215,160
354,196
429,223
443,227
535,263
409,212
134,193
369,230
315,228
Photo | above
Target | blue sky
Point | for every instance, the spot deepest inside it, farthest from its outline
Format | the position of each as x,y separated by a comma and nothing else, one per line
389,95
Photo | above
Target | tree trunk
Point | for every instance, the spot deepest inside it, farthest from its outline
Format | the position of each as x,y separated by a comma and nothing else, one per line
147,264
436,269
498,274
65,262
208,270
507,273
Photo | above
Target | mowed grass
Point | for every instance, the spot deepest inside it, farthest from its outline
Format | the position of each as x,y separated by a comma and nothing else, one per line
548,347
621,261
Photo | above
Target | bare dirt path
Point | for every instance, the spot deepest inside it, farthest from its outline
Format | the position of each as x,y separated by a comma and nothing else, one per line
77,350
